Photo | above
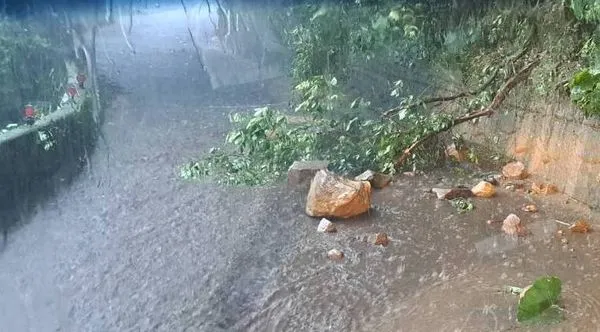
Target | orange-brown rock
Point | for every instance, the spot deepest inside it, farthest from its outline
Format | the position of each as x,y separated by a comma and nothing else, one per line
580,226
334,196
484,189
514,171
543,189
381,239
458,154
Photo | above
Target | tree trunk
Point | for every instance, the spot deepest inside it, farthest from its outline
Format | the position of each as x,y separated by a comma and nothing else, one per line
109,17
130,17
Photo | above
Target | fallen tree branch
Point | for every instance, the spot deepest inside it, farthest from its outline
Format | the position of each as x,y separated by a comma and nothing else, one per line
487,111
510,60
528,43
442,98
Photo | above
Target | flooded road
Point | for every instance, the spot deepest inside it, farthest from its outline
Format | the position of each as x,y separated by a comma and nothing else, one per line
130,247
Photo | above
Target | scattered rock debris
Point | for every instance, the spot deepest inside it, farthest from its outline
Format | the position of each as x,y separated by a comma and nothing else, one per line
514,171
335,254
493,179
580,226
529,208
543,189
301,173
450,194
377,180
381,239
453,152
459,192
484,189
334,196
512,225
326,226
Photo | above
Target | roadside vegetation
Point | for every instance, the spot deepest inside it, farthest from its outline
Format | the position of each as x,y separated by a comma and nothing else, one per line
377,83
32,69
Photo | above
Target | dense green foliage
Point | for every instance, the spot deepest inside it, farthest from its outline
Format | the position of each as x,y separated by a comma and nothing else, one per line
31,69
585,91
264,144
351,62
337,40
585,10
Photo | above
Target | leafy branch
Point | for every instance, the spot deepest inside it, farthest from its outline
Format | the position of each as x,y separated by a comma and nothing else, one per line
487,111
509,61
430,100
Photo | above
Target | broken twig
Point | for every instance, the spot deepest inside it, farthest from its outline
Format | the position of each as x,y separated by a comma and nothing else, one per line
562,223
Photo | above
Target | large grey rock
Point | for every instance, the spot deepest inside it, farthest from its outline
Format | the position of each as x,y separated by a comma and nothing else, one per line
301,173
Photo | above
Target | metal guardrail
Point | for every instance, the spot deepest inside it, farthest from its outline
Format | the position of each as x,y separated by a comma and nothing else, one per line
68,106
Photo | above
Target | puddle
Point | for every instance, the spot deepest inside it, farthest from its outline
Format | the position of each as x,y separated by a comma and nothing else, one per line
442,271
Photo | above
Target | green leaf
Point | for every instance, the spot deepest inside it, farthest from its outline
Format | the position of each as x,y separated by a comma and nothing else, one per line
235,137
402,114
260,111
394,15
584,80
322,11
538,303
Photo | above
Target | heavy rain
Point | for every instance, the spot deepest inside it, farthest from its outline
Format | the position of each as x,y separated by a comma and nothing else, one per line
368,165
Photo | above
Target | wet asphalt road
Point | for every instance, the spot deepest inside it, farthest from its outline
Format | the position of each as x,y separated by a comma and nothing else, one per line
129,246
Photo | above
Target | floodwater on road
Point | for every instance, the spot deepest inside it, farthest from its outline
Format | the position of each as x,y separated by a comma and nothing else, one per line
131,247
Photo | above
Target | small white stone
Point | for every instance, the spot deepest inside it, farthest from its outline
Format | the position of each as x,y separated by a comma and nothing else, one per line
335,254
326,226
